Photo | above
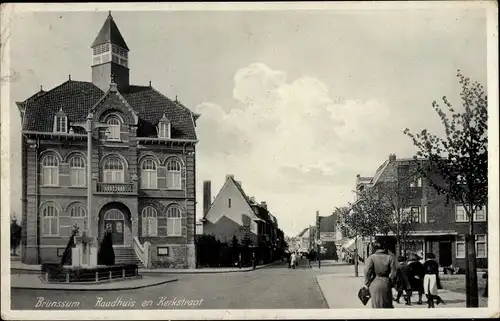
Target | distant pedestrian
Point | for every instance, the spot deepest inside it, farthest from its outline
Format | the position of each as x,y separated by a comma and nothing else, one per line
293,260
254,260
380,271
402,283
239,260
431,280
416,275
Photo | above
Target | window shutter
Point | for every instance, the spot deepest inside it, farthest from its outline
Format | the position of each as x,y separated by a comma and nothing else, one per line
178,226
170,180
46,226
53,226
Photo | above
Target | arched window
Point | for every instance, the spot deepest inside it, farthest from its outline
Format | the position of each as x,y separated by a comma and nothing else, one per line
113,170
77,171
78,216
50,171
114,215
174,174
149,221
148,174
114,124
174,221
50,219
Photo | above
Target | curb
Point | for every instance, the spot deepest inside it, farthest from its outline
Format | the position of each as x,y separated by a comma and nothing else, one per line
321,291
153,272
90,289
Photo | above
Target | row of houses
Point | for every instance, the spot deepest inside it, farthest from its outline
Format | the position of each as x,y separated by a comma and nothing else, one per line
439,224
234,214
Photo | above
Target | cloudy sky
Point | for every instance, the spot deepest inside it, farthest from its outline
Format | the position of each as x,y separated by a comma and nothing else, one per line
293,103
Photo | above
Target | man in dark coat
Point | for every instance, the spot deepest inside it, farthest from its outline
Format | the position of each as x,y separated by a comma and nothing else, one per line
15,236
402,282
416,276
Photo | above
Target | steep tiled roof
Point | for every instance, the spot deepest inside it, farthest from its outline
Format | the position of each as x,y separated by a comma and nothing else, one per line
109,33
76,98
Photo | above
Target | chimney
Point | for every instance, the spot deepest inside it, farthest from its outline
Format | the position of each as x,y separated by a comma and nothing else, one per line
252,199
228,176
392,157
207,196
263,204
239,183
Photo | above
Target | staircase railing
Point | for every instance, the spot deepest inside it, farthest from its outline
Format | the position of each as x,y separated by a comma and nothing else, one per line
142,251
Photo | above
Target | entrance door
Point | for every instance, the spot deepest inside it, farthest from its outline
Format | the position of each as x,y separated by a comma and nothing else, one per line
114,221
445,253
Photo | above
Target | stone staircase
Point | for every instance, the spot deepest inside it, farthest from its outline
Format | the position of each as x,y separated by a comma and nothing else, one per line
126,255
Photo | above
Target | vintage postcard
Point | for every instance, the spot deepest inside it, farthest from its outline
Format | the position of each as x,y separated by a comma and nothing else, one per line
312,160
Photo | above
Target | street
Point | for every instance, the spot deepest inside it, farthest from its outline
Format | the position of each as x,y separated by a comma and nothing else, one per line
275,287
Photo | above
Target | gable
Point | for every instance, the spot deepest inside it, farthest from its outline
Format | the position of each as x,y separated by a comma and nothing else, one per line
114,102
236,211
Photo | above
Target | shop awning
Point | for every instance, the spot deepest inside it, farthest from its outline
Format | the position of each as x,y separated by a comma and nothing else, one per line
426,233
349,244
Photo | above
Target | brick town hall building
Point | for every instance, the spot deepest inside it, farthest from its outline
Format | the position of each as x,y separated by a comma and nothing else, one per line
141,180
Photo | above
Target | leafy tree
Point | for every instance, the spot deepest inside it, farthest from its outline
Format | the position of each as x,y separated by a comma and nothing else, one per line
457,165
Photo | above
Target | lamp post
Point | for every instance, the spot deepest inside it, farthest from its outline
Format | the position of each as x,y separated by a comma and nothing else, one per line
89,125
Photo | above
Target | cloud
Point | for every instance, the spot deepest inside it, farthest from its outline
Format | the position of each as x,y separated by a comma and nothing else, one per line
291,142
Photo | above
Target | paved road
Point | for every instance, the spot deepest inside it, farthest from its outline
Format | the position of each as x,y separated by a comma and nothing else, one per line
268,288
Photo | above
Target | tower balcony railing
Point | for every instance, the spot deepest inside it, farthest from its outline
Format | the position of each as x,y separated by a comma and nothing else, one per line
116,188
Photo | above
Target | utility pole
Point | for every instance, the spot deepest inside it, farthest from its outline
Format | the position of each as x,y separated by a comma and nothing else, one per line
318,238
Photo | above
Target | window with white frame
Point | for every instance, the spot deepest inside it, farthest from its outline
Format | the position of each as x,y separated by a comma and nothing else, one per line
164,130
174,174
149,221
148,174
60,123
50,219
114,129
481,246
460,242
77,171
174,221
480,214
50,171
415,214
113,170
460,214
78,216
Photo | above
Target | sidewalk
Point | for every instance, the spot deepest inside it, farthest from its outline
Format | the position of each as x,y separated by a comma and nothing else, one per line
18,267
33,282
340,291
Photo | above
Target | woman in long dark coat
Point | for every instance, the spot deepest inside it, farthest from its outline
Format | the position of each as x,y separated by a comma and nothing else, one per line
402,283
380,271
416,274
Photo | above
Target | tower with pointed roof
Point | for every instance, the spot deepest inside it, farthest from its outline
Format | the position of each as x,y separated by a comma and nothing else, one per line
110,57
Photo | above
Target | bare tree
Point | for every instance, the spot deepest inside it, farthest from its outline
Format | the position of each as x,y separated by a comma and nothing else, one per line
6,75
457,164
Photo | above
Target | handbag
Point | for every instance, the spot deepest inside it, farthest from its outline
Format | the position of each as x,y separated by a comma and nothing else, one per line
364,295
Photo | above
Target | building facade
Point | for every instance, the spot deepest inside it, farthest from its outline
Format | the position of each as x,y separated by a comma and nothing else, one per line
108,155
233,213
439,224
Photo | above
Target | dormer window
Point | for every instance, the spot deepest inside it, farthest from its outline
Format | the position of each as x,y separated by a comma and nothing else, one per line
60,122
164,127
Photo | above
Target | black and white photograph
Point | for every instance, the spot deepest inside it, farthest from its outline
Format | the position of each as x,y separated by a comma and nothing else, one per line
249,160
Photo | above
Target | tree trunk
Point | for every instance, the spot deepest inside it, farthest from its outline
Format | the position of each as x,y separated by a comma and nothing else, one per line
471,289
356,272
398,245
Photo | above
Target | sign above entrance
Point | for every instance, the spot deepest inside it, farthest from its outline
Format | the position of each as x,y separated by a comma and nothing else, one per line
327,236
